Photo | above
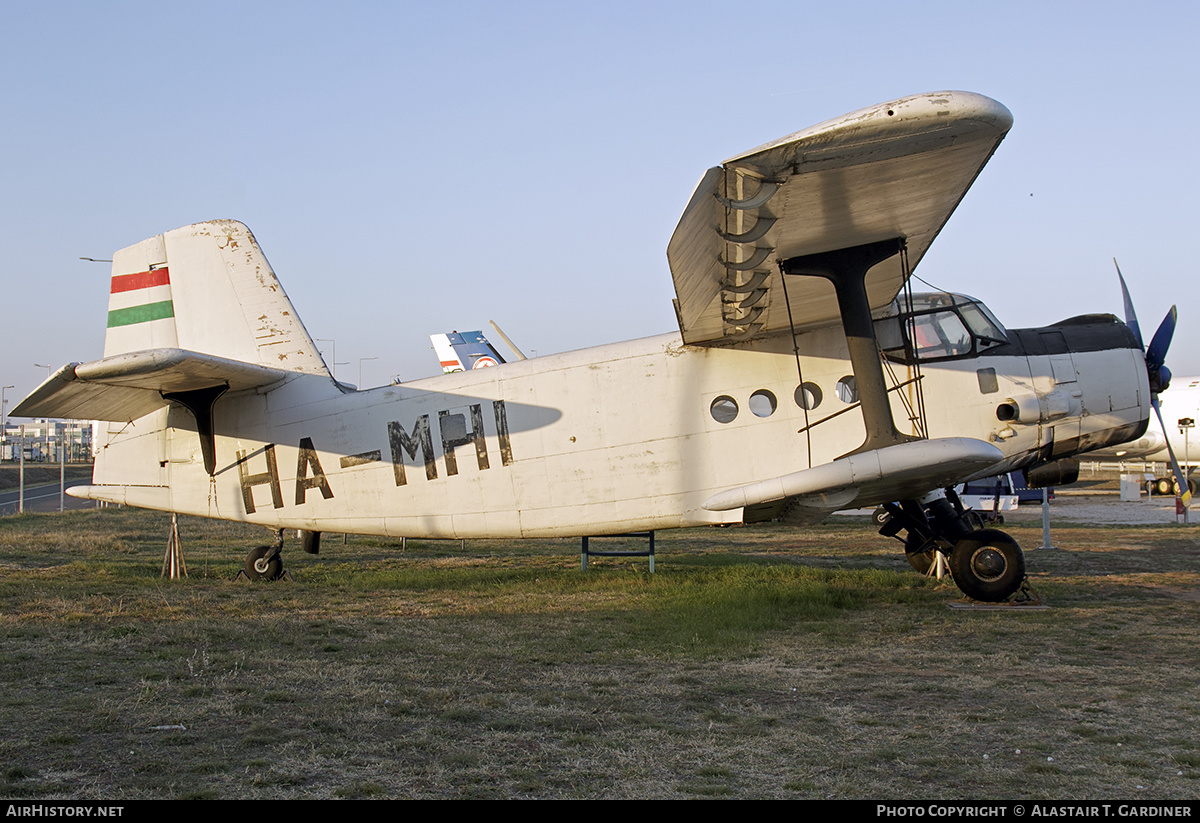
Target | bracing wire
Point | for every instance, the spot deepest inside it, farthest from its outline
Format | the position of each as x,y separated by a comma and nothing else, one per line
799,369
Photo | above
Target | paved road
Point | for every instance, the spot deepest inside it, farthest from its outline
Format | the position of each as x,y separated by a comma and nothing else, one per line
44,498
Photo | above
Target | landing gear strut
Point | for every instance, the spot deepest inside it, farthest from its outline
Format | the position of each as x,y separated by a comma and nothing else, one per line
986,564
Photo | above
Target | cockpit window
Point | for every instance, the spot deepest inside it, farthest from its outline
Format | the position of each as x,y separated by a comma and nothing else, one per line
939,326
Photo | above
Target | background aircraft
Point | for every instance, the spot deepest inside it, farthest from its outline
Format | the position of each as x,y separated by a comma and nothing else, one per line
460,351
1180,403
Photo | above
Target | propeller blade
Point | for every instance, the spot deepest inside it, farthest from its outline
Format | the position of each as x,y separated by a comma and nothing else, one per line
1130,316
1157,352
1185,494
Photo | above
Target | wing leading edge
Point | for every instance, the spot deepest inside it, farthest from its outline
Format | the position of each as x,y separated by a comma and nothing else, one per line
898,169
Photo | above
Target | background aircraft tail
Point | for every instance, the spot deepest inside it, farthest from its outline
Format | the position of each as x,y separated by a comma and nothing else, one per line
461,351
206,288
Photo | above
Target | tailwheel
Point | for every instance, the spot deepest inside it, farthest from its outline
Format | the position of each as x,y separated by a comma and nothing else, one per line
988,565
264,563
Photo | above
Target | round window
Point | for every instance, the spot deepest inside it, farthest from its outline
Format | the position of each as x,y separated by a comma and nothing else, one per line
847,389
723,409
763,403
808,396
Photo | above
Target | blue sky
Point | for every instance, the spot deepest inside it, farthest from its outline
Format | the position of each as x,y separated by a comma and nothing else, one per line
410,169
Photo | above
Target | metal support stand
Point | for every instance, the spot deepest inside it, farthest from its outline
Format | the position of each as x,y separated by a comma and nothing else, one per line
173,565
586,552
1046,521
941,568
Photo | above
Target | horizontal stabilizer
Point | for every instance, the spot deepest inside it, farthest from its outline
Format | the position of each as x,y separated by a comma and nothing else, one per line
128,386
891,473
142,497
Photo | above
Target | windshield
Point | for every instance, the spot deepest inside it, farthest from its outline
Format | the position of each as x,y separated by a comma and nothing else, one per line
939,326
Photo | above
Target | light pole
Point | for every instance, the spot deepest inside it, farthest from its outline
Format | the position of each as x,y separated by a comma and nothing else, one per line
332,362
360,362
1185,425
3,418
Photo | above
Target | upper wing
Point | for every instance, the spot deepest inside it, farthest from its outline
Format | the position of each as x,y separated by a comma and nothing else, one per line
898,169
127,386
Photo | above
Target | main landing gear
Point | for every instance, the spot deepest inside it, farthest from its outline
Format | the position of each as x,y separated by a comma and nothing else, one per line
986,564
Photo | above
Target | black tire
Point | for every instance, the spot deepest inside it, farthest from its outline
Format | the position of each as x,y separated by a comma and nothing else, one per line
1164,486
259,568
919,554
988,565
880,516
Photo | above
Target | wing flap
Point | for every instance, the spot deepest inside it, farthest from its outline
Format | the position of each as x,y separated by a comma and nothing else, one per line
894,170
891,473
128,386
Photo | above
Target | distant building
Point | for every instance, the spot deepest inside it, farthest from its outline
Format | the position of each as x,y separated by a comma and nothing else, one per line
44,438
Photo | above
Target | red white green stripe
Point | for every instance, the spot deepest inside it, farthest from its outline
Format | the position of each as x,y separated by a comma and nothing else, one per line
140,298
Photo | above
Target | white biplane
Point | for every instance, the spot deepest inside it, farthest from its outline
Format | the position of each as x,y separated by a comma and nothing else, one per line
804,378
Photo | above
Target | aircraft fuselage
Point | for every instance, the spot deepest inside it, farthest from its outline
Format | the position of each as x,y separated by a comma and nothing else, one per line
634,435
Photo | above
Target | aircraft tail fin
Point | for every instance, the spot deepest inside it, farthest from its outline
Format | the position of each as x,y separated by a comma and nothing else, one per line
206,288
463,351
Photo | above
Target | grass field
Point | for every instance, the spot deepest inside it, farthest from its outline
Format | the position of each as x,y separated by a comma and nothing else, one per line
757,662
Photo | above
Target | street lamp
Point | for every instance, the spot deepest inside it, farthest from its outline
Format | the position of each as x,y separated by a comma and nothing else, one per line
3,418
360,362
332,362
1186,423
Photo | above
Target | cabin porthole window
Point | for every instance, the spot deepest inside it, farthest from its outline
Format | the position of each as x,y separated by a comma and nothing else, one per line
808,396
763,403
847,389
723,409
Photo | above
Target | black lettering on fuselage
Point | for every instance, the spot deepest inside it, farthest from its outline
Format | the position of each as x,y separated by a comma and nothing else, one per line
307,457
401,442
501,414
268,478
454,432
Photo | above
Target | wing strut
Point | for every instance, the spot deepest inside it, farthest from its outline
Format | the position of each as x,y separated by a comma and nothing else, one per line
847,269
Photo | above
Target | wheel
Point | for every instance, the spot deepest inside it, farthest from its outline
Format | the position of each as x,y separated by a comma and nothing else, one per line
258,567
988,565
1164,486
919,554
880,516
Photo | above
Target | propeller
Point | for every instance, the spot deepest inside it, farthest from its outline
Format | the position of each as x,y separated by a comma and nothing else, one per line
1160,375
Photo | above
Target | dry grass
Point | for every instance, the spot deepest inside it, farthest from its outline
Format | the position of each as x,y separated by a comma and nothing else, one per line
758,662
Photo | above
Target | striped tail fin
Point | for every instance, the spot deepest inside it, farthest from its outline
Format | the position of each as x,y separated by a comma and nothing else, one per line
206,288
